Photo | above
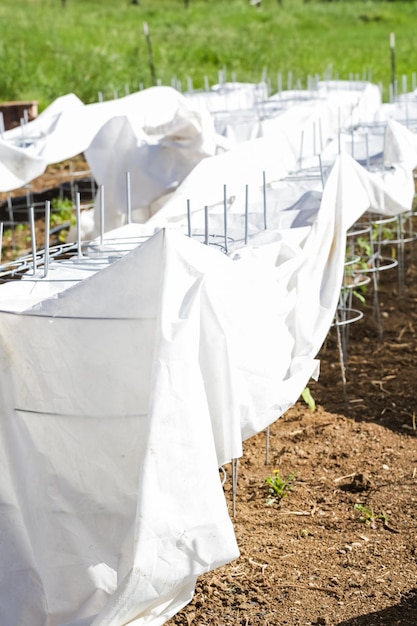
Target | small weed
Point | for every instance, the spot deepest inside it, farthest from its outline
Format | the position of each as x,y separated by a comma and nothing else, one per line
279,486
368,516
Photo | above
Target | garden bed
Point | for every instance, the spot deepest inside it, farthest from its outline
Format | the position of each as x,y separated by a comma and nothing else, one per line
341,547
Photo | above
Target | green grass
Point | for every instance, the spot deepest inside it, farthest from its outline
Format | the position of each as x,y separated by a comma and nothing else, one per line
93,46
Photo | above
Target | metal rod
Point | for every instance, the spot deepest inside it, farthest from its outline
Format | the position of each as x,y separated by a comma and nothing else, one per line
150,53
401,252
225,217
47,231
11,219
23,129
189,217
314,139
342,357
78,215
267,443
339,125
128,199
392,50
206,236
101,214
301,150
235,464
246,212
1,239
320,135
321,170
33,236
406,112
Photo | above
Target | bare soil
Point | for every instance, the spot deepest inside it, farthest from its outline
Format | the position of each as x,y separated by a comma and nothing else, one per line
341,547
314,557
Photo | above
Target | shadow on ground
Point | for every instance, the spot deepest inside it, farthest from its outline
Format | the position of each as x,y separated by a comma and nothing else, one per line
402,614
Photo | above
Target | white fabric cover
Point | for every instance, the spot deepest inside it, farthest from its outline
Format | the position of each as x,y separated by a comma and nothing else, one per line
128,377
153,134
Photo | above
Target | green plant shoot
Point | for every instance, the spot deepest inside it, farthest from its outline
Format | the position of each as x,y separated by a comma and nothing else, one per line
279,486
308,399
368,516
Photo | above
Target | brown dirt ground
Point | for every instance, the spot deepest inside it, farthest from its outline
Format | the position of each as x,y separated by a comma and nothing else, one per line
312,558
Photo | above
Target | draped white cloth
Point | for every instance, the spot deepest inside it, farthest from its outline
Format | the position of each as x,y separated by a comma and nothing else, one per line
130,375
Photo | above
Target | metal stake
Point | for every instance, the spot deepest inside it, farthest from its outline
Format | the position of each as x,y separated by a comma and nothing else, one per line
246,212
189,217
392,50
128,199
206,236
225,217
33,236
235,464
47,231
150,54
101,214
78,214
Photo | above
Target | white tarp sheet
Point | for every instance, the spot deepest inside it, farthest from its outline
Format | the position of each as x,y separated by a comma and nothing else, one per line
122,394
153,133
158,135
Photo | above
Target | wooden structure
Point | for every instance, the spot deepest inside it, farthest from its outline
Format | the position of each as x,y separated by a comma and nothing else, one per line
13,112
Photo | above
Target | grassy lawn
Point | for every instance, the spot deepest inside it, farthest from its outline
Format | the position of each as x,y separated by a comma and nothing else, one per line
92,46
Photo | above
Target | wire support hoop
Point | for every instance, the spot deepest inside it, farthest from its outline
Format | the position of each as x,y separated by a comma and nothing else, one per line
346,316
378,264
